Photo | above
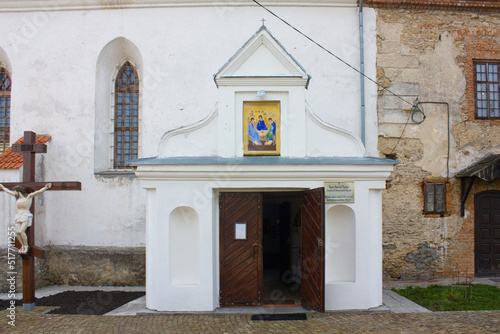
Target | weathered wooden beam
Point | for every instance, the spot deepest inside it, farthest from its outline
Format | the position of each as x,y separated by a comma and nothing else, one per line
466,186
32,186
30,148
33,251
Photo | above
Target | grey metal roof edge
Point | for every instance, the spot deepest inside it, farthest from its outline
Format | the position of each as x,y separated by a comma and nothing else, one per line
290,55
263,160
238,51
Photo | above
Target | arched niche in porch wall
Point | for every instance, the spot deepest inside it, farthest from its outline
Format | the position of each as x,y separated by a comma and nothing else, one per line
184,246
340,252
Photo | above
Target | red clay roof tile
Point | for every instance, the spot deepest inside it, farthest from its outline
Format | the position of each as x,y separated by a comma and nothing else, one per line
11,160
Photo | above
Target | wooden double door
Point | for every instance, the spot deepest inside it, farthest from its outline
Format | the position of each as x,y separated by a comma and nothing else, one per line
241,254
487,240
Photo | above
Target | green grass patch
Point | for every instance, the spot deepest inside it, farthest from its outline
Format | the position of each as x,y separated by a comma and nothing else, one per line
462,297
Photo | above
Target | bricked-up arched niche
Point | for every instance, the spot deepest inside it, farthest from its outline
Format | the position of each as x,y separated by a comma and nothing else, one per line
184,246
340,251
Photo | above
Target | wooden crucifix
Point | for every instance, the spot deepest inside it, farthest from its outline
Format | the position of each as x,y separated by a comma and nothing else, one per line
29,148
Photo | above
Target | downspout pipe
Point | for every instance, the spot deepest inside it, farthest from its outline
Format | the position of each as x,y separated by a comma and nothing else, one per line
362,71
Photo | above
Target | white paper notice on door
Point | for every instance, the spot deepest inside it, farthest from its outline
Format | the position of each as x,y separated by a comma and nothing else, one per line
241,231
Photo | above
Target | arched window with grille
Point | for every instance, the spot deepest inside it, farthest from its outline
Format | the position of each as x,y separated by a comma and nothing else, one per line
126,121
5,86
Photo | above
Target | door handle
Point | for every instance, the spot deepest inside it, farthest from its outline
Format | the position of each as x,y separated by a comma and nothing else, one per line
255,251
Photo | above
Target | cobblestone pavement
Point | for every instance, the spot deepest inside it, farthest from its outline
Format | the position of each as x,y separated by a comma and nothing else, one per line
439,322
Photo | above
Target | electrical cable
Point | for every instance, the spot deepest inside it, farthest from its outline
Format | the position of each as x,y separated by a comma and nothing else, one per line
417,111
411,115
331,53
401,136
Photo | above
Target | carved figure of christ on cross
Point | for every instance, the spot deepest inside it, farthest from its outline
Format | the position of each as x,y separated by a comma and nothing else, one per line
24,217
28,252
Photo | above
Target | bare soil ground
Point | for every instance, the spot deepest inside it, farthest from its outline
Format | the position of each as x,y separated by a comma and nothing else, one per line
82,302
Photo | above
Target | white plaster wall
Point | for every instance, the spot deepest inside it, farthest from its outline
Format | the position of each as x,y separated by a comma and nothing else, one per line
203,197
198,139
366,291
7,205
53,57
4,61
162,294
201,194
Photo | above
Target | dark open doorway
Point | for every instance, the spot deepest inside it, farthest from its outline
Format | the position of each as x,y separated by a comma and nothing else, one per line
271,248
281,246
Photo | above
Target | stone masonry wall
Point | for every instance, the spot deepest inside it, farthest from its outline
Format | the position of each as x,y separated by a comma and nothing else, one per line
114,266
428,55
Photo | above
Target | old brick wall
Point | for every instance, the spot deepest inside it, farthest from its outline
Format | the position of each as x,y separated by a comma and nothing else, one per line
429,54
456,5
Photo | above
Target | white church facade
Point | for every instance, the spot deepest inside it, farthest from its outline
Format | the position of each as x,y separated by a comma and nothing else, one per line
238,153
